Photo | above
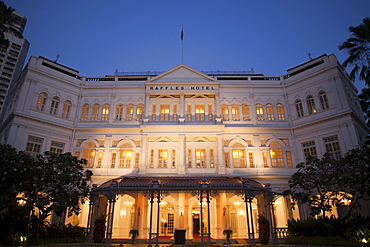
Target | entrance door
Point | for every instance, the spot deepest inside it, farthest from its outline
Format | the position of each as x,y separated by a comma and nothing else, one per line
196,221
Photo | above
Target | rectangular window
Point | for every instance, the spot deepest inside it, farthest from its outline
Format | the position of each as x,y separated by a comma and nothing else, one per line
100,160
259,112
162,158
173,158
119,112
270,113
129,112
212,158
174,112
56,147
210,112
227,159
332,146
95,113
189,158
189,112
200,155
199,112
289,158
33,146
164,112
113,160
137,156
264,159
309,149
151,162
105,113
276,156
154,112
251,159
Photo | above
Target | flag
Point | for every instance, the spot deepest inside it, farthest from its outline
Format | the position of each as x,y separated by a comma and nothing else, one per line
182,33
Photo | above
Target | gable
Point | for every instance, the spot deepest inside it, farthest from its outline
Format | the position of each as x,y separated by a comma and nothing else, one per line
182,73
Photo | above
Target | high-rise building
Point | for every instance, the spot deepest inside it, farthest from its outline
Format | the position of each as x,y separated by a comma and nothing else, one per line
12,58
185,149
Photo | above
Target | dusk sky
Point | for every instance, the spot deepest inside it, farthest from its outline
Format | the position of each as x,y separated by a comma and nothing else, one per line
96,37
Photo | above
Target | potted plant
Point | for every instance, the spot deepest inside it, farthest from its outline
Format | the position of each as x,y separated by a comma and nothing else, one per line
228,233
99,229
263,229
134,233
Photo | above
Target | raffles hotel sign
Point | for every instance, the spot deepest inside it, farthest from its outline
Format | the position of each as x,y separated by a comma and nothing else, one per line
182,88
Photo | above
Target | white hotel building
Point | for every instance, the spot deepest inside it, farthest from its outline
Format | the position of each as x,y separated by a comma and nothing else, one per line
230,139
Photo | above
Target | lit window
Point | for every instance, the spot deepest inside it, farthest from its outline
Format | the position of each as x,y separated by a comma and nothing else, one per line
85,112
276,154
119,112
238,155
323,100
41,102
56,147
200,156
89,154
212,158
129,112
154,112
162,158
189,112
164,114
105,112
210,112
173,158
151,163
225,112
137,157
270,112
125,156
174,112
139,112
309,149
251,159
280,111
332,147
113,160
311,105
235,112
34,145
190,157
66,109
299,108
54,106
95,112
246,112
264,159
100,160
227,159
199,112
259,112
289,158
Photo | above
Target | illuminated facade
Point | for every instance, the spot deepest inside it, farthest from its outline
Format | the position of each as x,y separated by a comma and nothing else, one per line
236,137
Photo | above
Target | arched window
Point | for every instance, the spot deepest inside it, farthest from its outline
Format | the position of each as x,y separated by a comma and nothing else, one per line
259,112
323,100
311,104
41,102
270,112
95,112
276,154
105,112
280,111
238,153
125,156
119,112
246,112
225,112
66,108
235,112
89,153
139,112
85,112
129,112
54,105
299,108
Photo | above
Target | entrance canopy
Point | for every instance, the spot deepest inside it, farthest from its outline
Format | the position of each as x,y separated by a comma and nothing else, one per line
145,183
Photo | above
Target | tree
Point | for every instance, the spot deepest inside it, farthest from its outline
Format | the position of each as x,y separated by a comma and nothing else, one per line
323,183
364,98
356,175
358,48
7,21
38,186
313,183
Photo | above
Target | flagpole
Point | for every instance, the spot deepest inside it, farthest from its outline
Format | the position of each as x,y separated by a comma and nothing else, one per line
182,44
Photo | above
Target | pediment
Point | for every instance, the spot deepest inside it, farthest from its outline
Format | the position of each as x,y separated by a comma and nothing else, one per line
182,73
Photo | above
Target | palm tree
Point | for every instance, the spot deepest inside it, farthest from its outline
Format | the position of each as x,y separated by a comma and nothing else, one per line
7,21
358,48
364,98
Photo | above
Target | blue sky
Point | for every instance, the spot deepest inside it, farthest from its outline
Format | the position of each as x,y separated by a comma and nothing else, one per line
96,37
